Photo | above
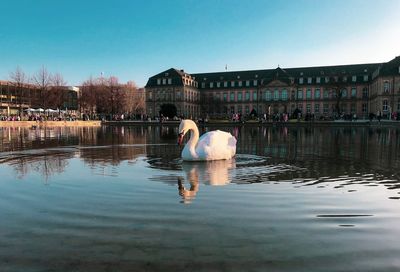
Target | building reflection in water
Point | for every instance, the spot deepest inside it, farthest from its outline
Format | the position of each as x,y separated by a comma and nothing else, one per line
321,151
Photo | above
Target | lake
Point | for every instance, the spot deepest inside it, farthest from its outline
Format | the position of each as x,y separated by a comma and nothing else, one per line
119,198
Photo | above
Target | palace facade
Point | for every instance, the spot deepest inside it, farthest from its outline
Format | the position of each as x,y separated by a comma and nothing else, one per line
326,91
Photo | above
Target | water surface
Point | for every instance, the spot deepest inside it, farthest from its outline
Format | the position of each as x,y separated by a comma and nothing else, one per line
121,199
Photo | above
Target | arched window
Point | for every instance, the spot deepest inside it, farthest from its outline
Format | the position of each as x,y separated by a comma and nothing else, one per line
284,94
268,95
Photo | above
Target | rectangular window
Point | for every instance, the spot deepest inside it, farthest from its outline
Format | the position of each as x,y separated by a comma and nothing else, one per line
308,94
309,80
364,108
317,94
247,96
232,98
398,104
345,79
300,94
247,83
353,92
247,109
225,96
385,105
326,108
254,95
203,85
232,83
240,83
225,84
354,78
164,81
158,81
326,93
239,96
326,79
386,86
218,84
365,77
211,85
308,108
301,80
318,80
365,92
169,81
255,82
316,108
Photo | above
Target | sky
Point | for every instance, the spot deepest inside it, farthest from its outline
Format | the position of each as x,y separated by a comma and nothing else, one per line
134,40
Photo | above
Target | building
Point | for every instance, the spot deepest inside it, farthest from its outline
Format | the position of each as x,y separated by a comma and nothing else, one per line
16,98
325,91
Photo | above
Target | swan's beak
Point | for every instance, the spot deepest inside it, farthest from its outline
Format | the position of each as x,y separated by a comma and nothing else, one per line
180,138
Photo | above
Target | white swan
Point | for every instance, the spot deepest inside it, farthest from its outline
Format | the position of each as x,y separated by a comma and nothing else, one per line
213,145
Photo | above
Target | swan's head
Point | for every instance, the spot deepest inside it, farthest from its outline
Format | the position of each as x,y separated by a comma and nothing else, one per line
184,127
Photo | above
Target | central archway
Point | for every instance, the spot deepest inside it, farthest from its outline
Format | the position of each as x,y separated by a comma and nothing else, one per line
168,110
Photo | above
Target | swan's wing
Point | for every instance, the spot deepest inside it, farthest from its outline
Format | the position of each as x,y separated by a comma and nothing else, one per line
216,145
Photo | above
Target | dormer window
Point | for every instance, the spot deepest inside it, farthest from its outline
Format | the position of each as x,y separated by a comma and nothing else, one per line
354,78
365,77
166,74
158,81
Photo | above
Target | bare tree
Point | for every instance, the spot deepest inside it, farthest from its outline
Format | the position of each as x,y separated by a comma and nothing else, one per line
338,83
58,92
87,99
42,80
19,80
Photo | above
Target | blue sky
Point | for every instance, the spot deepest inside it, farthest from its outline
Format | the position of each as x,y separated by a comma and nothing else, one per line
134,40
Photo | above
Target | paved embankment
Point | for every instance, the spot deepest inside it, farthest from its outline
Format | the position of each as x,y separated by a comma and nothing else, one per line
359,123
50,123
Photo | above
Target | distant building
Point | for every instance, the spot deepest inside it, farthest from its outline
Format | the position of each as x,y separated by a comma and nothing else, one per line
15,98
324,91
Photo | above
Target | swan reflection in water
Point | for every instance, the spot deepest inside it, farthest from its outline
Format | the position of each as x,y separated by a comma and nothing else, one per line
215,173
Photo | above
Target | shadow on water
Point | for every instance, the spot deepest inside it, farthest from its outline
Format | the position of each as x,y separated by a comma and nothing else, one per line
317,156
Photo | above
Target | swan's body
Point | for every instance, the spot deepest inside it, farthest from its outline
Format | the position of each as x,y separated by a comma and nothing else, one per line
213,145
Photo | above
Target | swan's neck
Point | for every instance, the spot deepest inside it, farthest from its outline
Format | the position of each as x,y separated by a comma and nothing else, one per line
194,137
